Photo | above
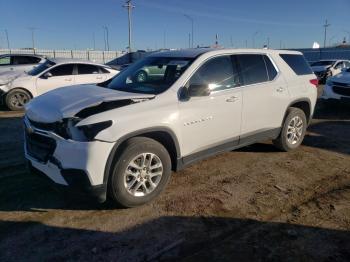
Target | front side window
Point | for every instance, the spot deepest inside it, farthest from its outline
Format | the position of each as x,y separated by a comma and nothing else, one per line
85,69
253,69
62,70
151,75
5,60
218,73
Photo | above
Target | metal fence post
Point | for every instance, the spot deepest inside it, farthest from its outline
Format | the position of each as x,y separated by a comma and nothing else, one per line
71,53
54,53
88,54
103,56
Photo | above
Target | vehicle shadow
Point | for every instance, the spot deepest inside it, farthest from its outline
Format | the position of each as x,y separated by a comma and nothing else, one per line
331,110
176,238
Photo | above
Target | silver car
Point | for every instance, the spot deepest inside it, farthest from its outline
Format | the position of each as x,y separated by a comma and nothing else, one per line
19,62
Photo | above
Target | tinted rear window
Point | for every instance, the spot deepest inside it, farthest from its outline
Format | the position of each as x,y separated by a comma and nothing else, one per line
297,63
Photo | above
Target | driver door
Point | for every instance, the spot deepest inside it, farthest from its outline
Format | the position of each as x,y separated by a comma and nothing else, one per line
58,76
212,123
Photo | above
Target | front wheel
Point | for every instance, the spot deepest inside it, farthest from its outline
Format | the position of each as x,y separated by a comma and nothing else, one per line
293,130
141,172
16,99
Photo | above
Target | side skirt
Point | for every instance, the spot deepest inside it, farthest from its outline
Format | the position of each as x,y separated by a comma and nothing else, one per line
228,146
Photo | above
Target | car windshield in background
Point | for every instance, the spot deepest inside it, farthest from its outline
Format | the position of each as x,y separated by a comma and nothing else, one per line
41,68
151,75
323,63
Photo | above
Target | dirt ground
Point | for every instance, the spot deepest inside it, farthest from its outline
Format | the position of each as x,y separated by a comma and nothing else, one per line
253,204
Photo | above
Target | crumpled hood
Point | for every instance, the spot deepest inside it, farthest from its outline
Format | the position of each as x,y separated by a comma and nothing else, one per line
67,101
343,77
320,68
6,77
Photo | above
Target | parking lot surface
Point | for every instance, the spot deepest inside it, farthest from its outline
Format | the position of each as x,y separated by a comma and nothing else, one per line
255,203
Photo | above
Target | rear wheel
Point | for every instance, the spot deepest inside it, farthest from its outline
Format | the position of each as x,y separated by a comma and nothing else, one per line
141,172
16,99
293,130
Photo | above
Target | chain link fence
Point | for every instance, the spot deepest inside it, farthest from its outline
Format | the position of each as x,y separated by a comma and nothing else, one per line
92,55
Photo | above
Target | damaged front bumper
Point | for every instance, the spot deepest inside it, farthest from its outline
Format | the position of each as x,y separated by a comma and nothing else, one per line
78,166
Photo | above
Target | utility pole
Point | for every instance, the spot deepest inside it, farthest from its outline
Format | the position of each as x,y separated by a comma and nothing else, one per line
326,25
192,22
128,5
106,38
7,39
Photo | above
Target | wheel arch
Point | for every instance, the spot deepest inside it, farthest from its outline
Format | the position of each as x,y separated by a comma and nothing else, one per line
304,104
163,135
20,88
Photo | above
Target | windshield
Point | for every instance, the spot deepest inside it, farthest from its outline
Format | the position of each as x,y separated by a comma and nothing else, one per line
323,63
41,68
151,75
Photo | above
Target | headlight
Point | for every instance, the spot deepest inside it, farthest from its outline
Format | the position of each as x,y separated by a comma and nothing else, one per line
90,131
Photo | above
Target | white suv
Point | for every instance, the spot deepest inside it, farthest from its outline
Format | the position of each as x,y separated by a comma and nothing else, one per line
126,139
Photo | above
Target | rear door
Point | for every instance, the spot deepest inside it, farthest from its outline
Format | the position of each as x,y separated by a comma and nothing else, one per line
89,74
265,95
61,75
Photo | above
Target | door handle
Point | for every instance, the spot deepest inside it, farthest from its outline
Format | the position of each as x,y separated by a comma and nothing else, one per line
232,99
99,77
280,89
68,79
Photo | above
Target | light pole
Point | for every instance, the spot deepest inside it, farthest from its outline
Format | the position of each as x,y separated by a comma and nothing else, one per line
348,35
192,22
129,7
254,35
7,39
326,25
32,29
106,37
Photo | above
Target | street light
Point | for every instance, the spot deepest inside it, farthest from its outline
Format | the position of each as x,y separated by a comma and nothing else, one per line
106,37
192,22
129,6
254,35
7,39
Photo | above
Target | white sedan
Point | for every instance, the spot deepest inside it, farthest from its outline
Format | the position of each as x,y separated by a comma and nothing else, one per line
54,73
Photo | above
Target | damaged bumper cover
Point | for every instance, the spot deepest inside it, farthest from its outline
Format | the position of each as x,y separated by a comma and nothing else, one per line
79,166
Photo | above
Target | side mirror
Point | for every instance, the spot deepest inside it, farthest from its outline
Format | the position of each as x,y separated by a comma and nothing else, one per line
47,75
198,90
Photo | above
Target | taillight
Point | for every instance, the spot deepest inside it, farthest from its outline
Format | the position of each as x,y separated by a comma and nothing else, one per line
314,82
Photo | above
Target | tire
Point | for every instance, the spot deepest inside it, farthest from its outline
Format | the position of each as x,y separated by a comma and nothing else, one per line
16,99
285,141
125,177
141,77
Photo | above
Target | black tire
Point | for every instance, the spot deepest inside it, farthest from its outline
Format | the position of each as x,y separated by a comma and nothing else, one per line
141,76
131,149
282,142
16,99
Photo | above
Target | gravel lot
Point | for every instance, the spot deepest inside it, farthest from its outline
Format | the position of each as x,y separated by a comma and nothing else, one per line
251,204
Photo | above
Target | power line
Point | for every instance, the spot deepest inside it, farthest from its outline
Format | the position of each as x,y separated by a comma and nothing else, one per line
129,6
